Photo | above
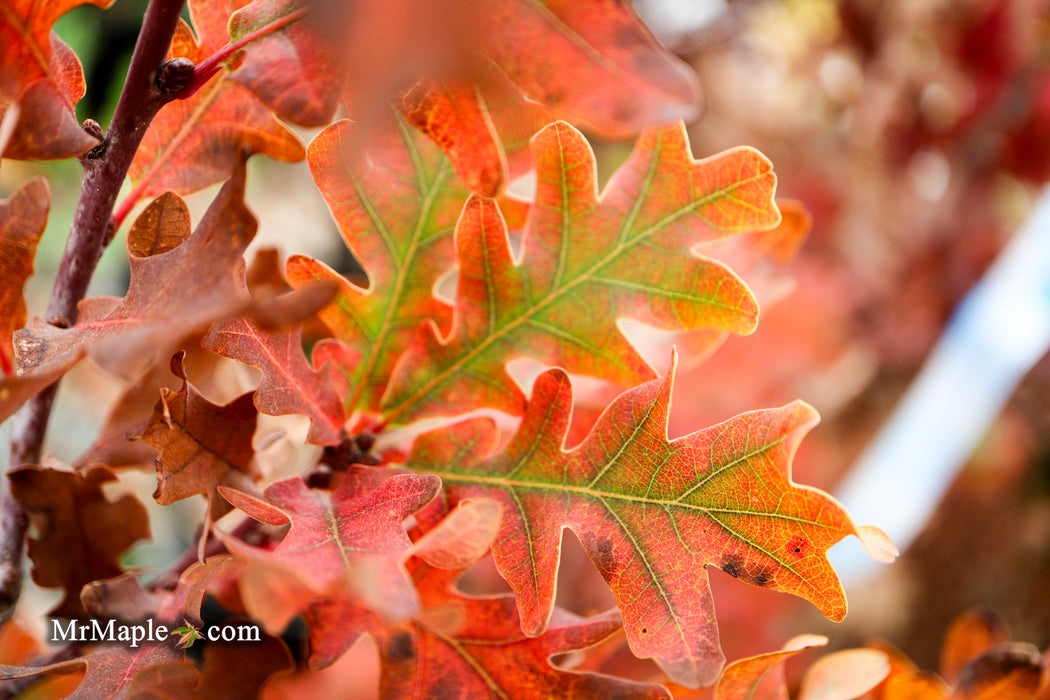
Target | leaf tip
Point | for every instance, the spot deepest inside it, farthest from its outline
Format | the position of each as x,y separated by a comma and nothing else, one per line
877,544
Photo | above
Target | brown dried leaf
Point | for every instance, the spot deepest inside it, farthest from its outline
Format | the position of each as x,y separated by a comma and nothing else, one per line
76,534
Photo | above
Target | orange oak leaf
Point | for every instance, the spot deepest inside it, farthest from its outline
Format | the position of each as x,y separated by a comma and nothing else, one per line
41,81
652,514
969,635
200,445
397,216
77,534
23,217
762,677
591,62
1007,671
198,141
587,262
289,383
483,127
350,540
485,653
594,63
175,290
905,681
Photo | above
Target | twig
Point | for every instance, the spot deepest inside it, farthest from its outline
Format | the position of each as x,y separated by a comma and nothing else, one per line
105,167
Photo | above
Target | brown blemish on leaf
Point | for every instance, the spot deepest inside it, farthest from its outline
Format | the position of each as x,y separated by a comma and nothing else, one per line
401,647
735,566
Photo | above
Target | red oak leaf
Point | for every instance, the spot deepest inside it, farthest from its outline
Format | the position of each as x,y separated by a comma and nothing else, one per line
197,141
23,217
350,540
41,81
289,383
651,513
485,654
587,261
113,671
77,534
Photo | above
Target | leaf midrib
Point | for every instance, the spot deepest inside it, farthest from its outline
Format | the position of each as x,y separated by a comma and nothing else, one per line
556,295
402,264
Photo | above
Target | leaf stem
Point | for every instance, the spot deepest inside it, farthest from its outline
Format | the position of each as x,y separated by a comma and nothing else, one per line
206,69
203,72
105,168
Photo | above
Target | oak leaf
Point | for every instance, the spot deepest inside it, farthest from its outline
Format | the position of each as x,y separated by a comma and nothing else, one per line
23,217
434,59
587,261
112,671
346,542
41,81
397,215
289,383
76,534
969,635
197,141
485,654
174,291
293,65
200,445
762,677
651,513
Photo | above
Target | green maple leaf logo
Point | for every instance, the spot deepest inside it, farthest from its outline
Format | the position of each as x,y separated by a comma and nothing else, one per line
188,634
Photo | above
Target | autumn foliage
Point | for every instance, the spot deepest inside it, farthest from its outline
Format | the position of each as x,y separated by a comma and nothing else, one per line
431,465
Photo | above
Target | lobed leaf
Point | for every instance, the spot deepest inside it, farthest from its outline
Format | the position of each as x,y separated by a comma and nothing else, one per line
200,445
77,535
486,654
351,540
112,671
173,292
397,216
594,63
23,217
198,141
289,383
651,513
41,81
287,67
586,263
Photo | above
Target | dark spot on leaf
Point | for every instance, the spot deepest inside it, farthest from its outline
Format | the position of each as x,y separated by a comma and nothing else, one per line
401,647
733,565
796,545
762,578
605,559
645,630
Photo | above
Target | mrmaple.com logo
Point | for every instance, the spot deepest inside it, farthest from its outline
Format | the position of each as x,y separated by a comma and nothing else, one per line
148,631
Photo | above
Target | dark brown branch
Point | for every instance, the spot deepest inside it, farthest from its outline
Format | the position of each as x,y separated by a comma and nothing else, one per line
105,168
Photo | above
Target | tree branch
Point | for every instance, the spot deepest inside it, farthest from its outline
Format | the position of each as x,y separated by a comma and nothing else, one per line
105,168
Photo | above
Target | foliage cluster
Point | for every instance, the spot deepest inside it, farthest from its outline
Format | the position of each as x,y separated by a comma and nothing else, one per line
469,400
